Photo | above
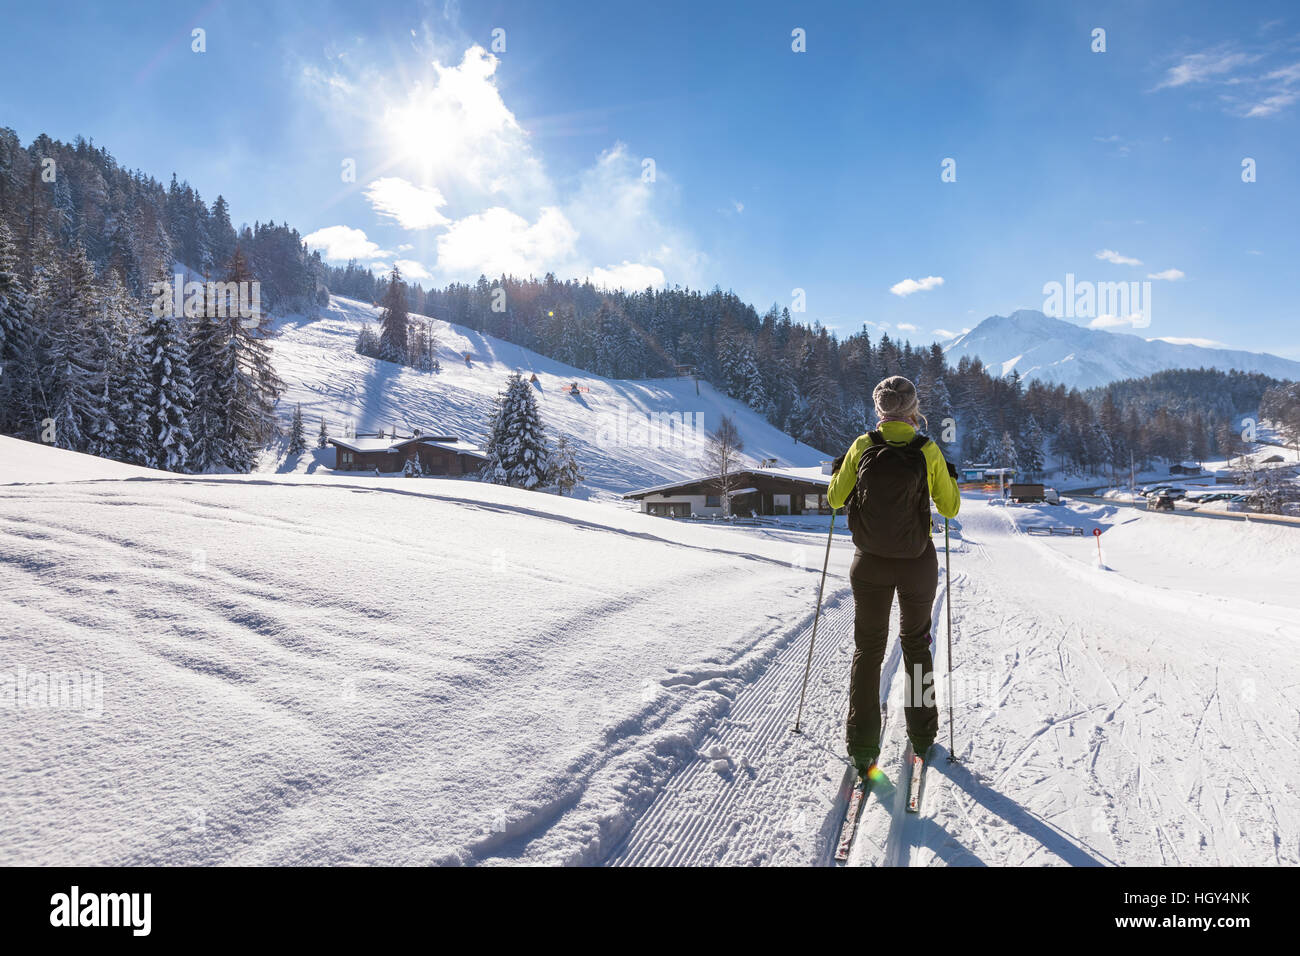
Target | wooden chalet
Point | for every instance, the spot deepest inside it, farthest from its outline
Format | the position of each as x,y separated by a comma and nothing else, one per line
436,454
758,491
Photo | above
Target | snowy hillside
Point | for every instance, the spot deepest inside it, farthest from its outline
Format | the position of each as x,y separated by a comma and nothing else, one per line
1059,352
312,669
308,669
608,421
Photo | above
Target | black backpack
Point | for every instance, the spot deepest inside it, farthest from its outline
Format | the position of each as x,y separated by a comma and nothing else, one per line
889,509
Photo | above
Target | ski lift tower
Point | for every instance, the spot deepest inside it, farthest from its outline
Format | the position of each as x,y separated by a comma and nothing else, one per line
693,372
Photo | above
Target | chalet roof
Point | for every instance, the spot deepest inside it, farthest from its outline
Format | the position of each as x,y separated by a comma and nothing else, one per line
394,445
812,477
457,445
365,444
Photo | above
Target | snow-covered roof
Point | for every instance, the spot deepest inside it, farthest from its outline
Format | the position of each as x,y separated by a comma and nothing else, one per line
460,446
810,475
741,491
392,445
365,444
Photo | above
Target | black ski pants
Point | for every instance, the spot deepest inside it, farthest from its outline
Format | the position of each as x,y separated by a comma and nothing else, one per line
875,581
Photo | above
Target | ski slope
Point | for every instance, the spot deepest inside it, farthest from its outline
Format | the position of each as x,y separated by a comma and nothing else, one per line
607,422
301,669
312,669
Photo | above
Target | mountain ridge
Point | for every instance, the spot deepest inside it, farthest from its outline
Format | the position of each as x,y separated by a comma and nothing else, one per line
1054,352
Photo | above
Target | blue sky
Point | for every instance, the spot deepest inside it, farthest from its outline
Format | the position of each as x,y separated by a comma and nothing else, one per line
773,170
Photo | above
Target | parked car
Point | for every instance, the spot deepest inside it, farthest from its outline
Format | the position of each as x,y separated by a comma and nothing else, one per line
1051,496
1216,496
1178,494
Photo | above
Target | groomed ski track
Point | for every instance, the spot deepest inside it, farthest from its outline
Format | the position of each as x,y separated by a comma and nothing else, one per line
782,796
1100,721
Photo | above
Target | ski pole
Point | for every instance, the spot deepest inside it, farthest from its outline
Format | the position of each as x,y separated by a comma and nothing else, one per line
947,606
816,617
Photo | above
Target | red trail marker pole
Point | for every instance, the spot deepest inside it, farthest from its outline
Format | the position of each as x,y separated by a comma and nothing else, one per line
1096,533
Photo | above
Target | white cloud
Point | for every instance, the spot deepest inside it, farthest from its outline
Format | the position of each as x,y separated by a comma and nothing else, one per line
341,243
740,206
453,157
1133,320
409,205
412,269
1110,255
1200,67
908,286
499,241
1241,90
456,130
908,327
632,276
1168,274
945,333
1273,103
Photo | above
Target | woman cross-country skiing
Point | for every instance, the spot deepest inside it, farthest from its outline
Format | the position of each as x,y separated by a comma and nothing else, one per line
887,478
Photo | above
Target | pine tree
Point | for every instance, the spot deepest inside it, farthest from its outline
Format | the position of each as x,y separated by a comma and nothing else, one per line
564,472
112,330
71,358
130,411
516,448
170,396
322,437
297,437
235,387
393,345
15,339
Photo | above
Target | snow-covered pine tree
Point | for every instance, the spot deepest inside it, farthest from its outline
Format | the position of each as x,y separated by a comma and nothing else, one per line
235,387
131,391
170,395
73,368
516,447
393,345
1029,452
322,436
15,335
297,436
111,332
259,387
1006,447
565,472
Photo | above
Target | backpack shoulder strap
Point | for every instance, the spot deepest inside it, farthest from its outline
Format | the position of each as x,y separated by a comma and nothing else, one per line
876,437
919,441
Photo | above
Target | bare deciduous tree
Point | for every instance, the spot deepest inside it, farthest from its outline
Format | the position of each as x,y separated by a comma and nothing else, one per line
722,456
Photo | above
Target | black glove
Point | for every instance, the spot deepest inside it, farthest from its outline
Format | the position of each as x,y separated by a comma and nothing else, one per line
952,470
835,465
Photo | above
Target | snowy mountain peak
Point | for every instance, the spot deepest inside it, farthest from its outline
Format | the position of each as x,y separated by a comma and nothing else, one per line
1059,352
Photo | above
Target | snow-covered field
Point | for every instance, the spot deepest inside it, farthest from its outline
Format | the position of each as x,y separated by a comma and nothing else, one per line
302,666
305,669
613,424
312,669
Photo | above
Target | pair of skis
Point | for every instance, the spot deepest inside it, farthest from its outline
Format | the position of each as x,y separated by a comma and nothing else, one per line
916,764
